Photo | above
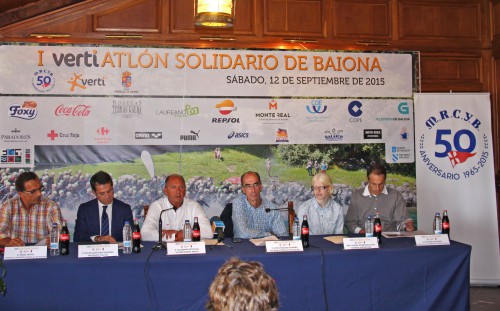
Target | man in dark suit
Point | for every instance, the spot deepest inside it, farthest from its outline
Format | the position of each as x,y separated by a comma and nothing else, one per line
102,219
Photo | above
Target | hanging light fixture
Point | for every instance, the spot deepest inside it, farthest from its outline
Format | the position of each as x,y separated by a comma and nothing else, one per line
214,13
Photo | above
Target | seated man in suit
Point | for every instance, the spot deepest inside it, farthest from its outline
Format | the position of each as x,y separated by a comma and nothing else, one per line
102,219
254,216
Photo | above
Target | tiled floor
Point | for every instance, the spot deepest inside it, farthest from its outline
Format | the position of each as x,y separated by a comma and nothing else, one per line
484,298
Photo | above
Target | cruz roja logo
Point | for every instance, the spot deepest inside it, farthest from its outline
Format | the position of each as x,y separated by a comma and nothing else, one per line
354,110
454,152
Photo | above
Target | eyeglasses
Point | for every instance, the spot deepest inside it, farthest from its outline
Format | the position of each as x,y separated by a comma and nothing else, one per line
249,186
32,192
320,188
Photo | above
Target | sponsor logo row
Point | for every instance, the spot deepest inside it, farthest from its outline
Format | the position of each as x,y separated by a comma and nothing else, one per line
132,108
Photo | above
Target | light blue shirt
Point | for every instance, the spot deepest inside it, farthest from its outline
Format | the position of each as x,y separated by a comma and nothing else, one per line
250,222
322,220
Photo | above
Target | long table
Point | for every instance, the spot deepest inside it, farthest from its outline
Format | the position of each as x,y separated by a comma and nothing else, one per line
397,276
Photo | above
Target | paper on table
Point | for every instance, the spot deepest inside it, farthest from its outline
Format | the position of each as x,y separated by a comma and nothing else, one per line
401,234
337,239
262,241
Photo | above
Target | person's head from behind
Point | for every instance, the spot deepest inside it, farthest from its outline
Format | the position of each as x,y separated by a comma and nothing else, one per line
376,174
242,285
102,186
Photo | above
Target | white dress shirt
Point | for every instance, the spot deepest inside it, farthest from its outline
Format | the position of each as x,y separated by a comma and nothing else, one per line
174,220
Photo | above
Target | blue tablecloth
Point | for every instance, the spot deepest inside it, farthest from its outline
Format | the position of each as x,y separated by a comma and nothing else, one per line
396,276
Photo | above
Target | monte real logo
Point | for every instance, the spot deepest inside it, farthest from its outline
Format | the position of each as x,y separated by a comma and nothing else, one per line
148,135
274,116
454,151
26,111
43,81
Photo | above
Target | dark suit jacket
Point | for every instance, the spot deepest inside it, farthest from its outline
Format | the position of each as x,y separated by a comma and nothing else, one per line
87,220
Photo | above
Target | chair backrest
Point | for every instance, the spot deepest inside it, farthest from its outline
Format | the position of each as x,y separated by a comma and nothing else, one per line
227,217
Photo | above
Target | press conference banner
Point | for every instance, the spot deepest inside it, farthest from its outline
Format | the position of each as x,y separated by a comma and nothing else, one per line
80,95
455,172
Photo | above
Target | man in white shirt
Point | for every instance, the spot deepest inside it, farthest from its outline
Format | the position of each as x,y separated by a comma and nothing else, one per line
175,209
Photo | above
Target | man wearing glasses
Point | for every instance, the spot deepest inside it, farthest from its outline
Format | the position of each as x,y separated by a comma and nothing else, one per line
174,210
27,218
324,215
254,216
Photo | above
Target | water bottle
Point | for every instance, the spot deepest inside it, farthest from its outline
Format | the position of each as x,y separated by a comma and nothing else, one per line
369,227
54,240
127,238
188,232
296,229
437,225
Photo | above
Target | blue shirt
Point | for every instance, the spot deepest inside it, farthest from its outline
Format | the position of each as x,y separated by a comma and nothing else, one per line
322,220
250,222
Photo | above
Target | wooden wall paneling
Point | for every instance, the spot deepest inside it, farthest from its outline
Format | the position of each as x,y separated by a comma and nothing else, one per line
444,72
441,23
370,19
495,112
144,17
295,18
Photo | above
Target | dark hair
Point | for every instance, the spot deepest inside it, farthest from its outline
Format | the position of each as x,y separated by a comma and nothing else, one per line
100,178
249,172
23,178
377,169
174,175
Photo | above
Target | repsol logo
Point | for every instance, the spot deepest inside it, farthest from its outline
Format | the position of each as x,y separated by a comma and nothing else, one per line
225,120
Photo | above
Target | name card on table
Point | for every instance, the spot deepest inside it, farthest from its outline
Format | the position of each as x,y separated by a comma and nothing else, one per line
97,250
25,252
186,248
360,243
284,246
432,239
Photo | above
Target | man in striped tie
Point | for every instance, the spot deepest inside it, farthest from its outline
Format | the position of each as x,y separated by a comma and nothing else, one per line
101,220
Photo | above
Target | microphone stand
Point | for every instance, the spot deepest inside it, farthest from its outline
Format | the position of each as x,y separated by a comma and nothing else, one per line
161,245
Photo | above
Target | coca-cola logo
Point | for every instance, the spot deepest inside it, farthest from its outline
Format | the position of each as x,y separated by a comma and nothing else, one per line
136,235
73,111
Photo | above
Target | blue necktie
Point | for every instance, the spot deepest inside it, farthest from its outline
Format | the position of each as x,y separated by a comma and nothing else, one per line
104,222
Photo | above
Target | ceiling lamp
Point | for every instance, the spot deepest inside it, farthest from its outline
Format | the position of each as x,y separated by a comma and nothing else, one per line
214,13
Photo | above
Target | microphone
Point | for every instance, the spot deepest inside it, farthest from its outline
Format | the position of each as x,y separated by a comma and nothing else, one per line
160,244
217,228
